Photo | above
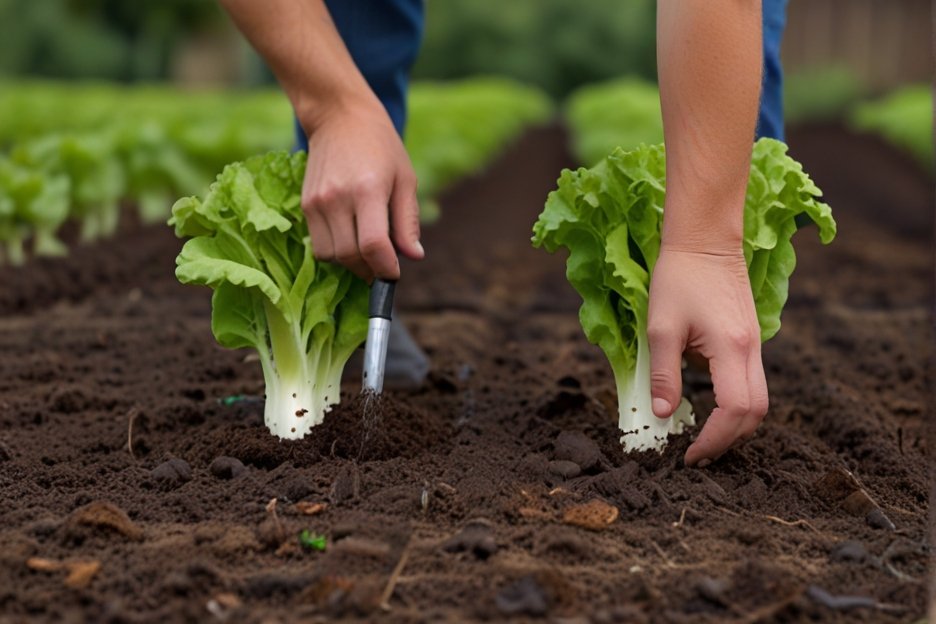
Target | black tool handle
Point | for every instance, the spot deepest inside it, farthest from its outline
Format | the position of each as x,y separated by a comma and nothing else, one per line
381,298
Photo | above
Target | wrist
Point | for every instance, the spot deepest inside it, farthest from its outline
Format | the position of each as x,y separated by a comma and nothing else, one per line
712,225
702,239
314,111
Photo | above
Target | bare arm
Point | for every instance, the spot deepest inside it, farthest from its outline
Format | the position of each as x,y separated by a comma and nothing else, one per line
360,187
709,56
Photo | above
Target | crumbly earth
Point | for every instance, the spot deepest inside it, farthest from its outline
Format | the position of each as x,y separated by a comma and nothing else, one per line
496,491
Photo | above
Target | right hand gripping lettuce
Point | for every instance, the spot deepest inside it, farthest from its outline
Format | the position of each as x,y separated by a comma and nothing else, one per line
249,241
609,217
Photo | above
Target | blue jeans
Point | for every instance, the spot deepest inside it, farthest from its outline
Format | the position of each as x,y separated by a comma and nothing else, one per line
383,37
770,118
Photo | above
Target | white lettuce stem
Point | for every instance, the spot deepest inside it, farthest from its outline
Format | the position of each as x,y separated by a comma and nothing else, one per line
301,387
16,253
641,429
46,243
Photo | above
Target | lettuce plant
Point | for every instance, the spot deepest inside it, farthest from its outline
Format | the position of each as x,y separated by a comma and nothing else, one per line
32,205
97,179
156,169
609,218
623,112
250,243
904,118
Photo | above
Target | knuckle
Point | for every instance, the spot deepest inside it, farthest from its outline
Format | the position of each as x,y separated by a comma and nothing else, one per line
759,406
368,185
661,332
373,247
662,379
740,407
324,255
408,179
321,248
347,255
735,406
324,198
739,339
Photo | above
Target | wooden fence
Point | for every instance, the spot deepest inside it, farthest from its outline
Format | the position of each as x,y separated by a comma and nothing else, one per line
885,42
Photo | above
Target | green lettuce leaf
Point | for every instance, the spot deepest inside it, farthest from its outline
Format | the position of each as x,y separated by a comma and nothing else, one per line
610,217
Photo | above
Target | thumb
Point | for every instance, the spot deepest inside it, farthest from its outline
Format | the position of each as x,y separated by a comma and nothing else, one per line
666,347
404,219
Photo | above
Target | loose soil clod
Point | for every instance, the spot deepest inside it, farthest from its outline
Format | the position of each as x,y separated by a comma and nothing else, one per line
80,573
841,487
227,467
104,515
172,473
595,515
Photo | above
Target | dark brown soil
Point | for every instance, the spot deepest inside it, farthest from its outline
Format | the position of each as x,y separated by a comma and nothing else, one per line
464,485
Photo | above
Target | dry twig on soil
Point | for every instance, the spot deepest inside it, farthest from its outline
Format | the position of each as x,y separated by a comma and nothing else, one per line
395,576
131,417
800,522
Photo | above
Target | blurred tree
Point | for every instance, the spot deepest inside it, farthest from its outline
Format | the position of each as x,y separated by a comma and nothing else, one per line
42,38
107,39
150,27
555,44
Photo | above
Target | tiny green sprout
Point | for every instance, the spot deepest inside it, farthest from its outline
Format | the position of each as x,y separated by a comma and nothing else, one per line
312,541
231,400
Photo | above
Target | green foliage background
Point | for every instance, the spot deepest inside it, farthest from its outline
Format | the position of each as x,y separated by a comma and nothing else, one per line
106,39
554,44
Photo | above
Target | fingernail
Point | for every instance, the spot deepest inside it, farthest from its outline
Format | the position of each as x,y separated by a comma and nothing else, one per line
662,408
702,463
419,246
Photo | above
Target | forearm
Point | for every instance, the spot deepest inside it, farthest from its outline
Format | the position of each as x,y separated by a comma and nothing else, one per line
710,61
299,41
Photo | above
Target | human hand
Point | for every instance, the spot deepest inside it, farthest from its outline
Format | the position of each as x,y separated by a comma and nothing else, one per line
701,302
359,193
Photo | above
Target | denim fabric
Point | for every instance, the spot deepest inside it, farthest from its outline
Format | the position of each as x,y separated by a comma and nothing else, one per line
383,37
770,117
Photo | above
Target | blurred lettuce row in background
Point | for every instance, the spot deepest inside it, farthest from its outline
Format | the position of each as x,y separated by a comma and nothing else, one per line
904,118
625,112
78,150
456,128
821,93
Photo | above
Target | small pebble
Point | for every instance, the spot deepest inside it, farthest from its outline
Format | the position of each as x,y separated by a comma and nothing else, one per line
363,547
347,484
227,467
465,371
839,603
577,447
564,468
524,597
172,473
877,519
477,539
849,551
713,589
